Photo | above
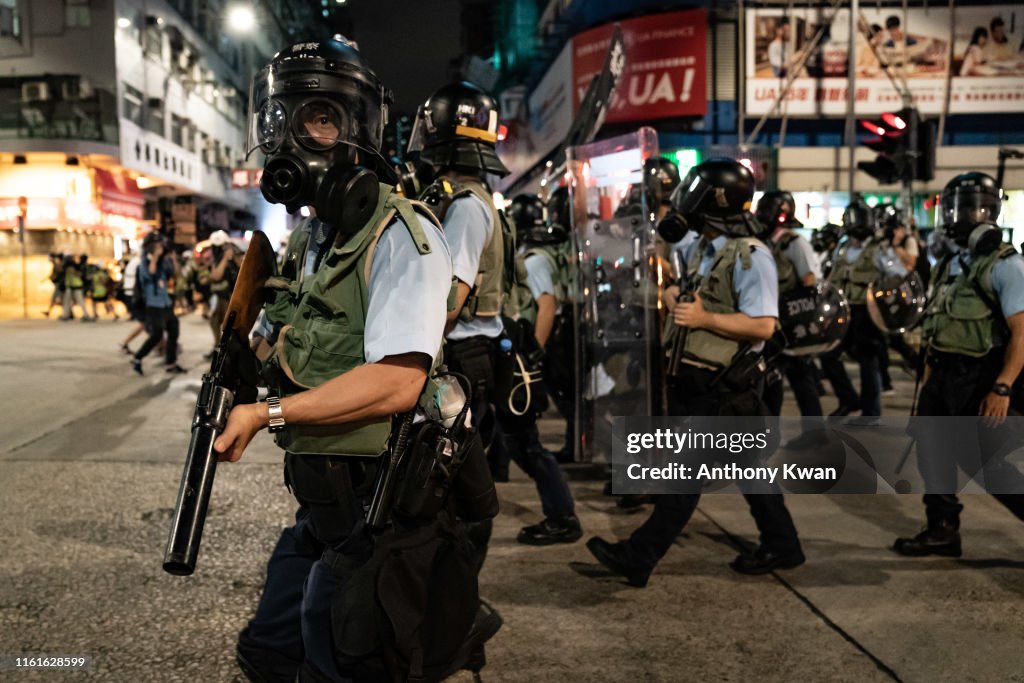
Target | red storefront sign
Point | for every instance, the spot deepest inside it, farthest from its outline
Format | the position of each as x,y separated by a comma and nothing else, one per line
119,194
665,66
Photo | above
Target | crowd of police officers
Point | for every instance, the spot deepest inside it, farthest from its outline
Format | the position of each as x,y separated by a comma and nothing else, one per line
381,298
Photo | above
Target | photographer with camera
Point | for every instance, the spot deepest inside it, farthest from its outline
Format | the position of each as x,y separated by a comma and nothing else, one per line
158,266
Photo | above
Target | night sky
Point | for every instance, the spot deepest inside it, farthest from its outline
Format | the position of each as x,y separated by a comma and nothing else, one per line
409,44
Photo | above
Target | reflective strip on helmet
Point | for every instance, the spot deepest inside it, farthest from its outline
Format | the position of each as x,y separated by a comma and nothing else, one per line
476,133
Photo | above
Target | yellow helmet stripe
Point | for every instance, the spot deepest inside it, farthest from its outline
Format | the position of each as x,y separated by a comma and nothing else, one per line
476,133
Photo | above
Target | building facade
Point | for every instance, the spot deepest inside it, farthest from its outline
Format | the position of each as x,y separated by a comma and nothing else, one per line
768,82
124,116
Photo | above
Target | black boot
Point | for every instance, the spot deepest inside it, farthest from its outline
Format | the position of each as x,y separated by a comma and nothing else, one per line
552,531
942,539
615,556
763,561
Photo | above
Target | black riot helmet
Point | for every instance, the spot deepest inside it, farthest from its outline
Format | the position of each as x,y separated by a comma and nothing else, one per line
825,238
560,209
527,213
777,208
661,178
559,220
715,194
967,201
859,221
318,113
457,127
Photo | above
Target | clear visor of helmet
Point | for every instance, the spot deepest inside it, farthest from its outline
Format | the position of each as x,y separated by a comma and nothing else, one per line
856,219
968,206
418,135
318,121
689,195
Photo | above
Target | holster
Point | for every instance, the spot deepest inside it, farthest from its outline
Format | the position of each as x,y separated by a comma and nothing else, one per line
331,491
745,373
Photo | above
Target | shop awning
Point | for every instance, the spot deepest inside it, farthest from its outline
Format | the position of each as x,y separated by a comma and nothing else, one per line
119,194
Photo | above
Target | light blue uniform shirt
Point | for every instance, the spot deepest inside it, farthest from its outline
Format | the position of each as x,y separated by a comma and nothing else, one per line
1007,281
539,277
682,248
802,255
408,292
468,228
757,287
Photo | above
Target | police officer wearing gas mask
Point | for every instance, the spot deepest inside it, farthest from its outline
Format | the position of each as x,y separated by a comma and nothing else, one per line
797,266
349,332
544,234
545,249
973,341
730,314
860,259
455,132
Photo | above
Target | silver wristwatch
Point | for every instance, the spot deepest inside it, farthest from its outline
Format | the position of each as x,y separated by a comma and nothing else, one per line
276,422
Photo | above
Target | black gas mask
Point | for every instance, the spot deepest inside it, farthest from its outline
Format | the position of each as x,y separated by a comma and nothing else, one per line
969,202
318,113
859,221
715,194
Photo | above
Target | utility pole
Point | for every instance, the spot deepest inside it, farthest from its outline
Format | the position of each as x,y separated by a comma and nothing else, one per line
851,94
22,215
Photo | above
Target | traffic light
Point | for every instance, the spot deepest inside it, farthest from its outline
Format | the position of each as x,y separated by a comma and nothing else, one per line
905,144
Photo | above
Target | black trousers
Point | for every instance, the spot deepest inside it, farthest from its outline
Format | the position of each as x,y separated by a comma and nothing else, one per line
292,624
956,386
865,343
691,394
159,321
800,373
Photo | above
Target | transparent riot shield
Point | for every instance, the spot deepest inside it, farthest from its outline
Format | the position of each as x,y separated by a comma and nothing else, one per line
617,303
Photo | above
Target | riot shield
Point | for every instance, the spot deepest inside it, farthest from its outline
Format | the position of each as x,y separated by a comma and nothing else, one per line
617,307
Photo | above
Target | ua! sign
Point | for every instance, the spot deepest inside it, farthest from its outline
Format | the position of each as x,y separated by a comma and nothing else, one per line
665,66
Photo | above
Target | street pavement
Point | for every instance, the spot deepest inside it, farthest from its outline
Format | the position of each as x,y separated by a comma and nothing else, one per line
90,459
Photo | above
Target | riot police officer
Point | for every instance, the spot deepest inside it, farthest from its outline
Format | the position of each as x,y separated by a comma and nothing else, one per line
365,265
732,313
455,132
797,266
973,339
860,259
548,255
545,254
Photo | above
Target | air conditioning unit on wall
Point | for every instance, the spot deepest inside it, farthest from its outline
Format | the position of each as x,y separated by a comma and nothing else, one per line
35,91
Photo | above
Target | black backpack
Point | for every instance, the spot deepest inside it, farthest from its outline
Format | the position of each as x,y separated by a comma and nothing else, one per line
406,603
138,293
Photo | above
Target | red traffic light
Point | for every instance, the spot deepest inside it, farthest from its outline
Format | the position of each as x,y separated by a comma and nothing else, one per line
873,127
894,121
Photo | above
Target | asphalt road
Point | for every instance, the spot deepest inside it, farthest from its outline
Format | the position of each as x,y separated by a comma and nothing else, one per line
90,458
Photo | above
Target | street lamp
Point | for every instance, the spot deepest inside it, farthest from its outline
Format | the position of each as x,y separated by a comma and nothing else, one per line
241,18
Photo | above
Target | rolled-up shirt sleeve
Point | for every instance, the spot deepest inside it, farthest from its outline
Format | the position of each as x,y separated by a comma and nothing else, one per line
408,297
538,276
1008,283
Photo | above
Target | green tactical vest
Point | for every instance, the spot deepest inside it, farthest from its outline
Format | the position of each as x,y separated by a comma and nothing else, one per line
959,320
322,319
853,278
486,292
718,295
788,279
